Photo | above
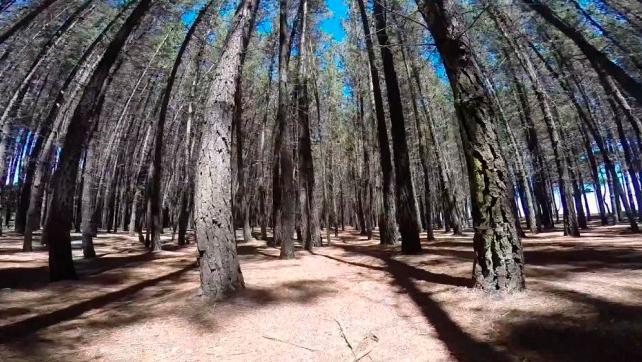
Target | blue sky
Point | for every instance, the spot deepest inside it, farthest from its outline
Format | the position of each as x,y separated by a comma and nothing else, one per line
332,24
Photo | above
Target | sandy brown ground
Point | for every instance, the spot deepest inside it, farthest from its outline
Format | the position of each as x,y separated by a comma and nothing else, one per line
584,302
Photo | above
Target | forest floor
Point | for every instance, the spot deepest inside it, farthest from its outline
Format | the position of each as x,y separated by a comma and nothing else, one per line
352,300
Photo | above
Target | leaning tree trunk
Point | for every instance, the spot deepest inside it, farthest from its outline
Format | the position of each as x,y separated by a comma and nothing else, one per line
542,197
219,267
423,153
598,59
499,257
507,29
38,163
19,93
25,20
156,170
80,125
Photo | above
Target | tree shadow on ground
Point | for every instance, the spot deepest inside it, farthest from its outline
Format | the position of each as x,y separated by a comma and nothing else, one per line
593,330
250,249
299,291
33,324
574,258
38,276
462,345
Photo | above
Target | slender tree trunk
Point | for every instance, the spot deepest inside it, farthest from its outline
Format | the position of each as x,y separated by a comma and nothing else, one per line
286,212
404,194
506,27
387,225
33,185
156,170
311,212
88,197
423,153
25,20
539,183
80,125
598,59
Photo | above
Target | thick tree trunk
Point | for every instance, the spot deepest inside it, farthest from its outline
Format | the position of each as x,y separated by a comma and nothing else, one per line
499,257
523,185
218,262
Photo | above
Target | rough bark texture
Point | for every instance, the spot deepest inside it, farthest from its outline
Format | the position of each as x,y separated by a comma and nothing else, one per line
218,262
499,257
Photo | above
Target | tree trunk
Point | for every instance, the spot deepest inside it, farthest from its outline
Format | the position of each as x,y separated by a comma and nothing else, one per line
25,20
218,262
499,257
39,165
507,29
79,128
156,170
387,225
286,213
598,59
404,193
88,197
423,153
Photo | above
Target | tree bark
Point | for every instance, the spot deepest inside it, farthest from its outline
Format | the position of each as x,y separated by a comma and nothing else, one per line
218,262
286,213
79,129
499,257
387,224
404,194
156,170
25,20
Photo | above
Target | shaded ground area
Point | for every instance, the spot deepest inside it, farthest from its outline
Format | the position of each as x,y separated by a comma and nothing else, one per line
352,300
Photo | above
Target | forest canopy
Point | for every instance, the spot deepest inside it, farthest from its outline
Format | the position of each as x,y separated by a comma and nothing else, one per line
299,117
